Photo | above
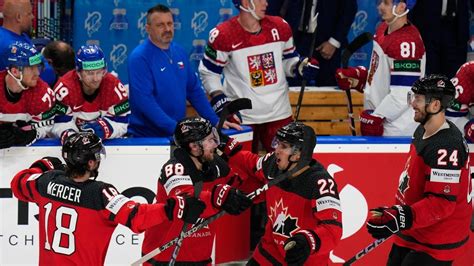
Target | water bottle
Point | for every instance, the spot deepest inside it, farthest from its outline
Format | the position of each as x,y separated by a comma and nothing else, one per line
176,18
119,20
197,53
224,14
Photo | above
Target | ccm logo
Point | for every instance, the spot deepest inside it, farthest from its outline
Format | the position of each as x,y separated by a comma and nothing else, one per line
221,194
180,207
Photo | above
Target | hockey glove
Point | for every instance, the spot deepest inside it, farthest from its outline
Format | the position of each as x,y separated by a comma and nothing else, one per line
218,102
101,127
230,199
307,68
48,163
185,208
25,135
7,137
385,221
300,246
469,131
371,125
228,146
351,78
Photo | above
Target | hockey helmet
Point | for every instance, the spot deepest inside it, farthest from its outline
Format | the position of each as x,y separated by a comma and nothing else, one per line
435,86
293,134
191,130
21,54
409,3
81,147
90,57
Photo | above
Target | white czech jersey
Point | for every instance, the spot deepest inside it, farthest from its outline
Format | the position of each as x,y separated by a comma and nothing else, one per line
398,60
255,66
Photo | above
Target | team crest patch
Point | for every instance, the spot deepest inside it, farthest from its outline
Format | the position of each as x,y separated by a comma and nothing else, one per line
283,223
262,69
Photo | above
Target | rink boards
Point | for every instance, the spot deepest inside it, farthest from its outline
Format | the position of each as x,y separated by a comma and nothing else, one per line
366,171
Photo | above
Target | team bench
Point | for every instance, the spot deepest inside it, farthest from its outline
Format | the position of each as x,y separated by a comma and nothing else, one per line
324,109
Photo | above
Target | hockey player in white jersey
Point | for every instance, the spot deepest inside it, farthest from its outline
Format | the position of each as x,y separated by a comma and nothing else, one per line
398,60
255,53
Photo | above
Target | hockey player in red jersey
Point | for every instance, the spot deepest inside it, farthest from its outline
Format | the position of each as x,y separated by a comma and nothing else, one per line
398,60
459,111
194,170
433,209
26,101
304,211
255,53
75,210
90,99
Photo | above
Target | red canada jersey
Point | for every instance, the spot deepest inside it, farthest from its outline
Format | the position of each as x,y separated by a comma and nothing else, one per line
111,99
464,83
77,219
309,201
436,185
35,104
176,179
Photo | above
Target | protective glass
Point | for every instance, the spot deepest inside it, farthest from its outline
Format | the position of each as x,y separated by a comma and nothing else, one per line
101,155
283,145
212,140
415,99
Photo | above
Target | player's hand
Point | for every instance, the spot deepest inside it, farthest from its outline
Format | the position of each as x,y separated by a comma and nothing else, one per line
101,127
351,78
300,246
228,125
48,163
218,102
230,199
371,125
185,208
228,146
7,137
385,221
469,131
25,135
307,68
326,49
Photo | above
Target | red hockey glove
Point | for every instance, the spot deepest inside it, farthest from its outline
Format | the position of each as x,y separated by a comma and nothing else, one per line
218,102
48,163
351,78
307,68
370,125
229,146
101,127
230,199
300,246
386,221
469,131
188,208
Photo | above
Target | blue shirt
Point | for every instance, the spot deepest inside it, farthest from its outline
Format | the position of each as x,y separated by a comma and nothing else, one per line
160,83
8,37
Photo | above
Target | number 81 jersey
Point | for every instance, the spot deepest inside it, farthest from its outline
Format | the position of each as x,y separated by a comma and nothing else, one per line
436,185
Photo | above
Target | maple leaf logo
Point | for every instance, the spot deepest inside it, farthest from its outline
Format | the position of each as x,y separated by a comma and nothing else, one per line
283,223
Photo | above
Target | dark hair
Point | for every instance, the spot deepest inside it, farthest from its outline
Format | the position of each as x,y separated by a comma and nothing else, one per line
158,8
61,55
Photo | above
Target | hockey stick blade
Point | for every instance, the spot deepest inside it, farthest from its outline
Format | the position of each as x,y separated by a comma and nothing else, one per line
233,107
299,168
365,251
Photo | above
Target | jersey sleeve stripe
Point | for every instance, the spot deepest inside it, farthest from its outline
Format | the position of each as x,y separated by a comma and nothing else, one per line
402,80
289,50
214,67
452,113
132,215
446,197
20,187
290,55
434,246
119,119
62,118
332,222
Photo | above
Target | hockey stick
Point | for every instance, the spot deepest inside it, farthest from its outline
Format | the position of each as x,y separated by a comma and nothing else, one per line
230,108
311,29
233,107
365,251
301,166
357,43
